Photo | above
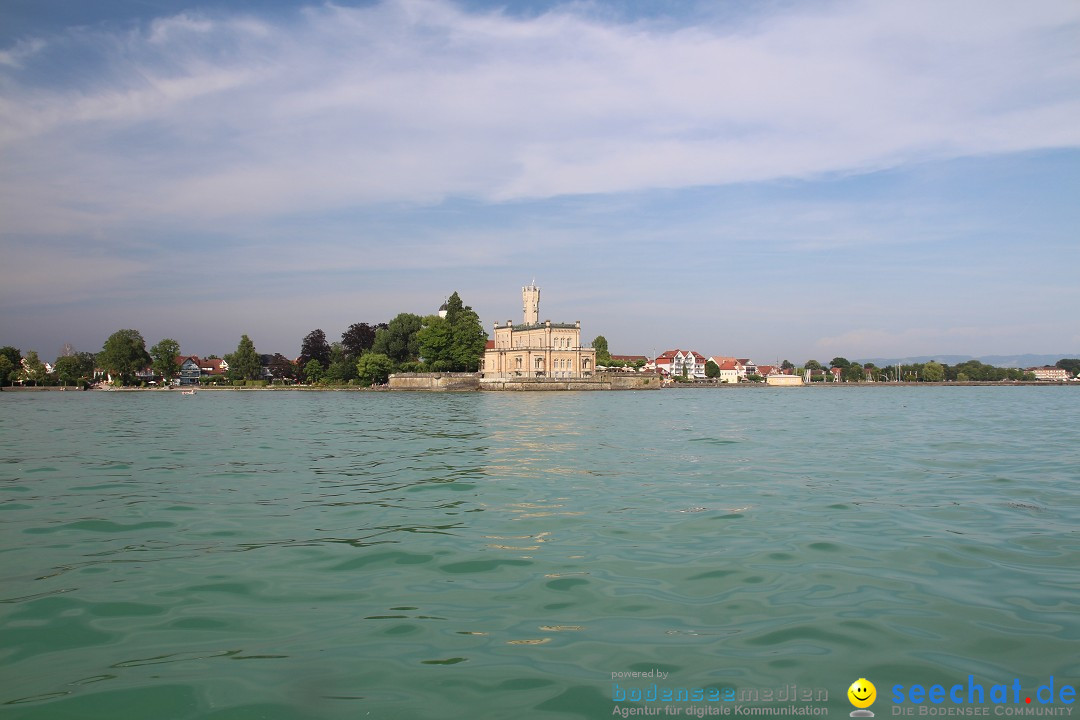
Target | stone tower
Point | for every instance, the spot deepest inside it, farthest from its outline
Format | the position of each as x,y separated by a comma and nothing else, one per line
530,296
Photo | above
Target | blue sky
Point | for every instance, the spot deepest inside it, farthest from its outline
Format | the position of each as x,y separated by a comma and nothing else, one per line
768,179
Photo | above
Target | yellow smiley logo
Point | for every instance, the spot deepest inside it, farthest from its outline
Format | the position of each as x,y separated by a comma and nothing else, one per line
862,693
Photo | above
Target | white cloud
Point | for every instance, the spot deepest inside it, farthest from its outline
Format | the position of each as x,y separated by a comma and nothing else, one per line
415,100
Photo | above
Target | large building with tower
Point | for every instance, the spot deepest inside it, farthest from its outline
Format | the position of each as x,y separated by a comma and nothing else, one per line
537,349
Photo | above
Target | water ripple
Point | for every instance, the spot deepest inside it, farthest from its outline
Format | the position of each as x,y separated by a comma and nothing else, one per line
500,555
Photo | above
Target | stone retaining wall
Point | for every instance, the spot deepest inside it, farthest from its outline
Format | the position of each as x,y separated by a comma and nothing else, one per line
602,381
465,382
436,382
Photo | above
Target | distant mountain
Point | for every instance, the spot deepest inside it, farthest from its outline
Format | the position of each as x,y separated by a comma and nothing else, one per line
1006,361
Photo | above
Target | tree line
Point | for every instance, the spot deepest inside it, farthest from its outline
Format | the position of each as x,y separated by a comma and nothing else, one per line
968,371
369,353
933,371
366,354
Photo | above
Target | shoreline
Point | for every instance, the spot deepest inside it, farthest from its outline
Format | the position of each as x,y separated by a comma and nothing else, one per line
672,386
966,383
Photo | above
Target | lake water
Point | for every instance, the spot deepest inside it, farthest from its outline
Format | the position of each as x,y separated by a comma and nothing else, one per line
502,555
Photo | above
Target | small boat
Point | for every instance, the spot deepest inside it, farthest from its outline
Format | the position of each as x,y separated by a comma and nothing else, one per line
188,392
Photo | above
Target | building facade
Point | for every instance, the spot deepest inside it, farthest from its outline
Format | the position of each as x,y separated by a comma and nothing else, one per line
1049,372
537,349
189,370
685,363
731,370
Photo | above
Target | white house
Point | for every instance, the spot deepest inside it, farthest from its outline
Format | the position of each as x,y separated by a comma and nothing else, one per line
682,363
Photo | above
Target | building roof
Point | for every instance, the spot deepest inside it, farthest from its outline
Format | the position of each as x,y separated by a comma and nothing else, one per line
215,366
668,355
540,325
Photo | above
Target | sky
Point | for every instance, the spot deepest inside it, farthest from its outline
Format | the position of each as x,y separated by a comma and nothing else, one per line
773,180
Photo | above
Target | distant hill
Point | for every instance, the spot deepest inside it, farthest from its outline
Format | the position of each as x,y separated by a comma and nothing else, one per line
1006,361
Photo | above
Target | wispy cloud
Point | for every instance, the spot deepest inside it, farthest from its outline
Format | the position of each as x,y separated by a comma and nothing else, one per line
292,169
416,100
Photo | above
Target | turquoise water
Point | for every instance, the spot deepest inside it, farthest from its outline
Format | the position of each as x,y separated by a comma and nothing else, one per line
500,555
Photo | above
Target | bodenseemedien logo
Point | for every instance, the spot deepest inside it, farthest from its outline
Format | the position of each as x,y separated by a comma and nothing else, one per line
862,694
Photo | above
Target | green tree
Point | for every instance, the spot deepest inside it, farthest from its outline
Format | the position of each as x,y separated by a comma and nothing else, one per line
600,345
813,365
166,357
854,372
436,340
933,372
33,370
123,354
13,356
6,369
398,339
66,369
374,368
342,367
244,363
76,369
712,370
787,365
315,347
358,338
1070,364
469,336
840,362
977,371
455,343
87,364
313,371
